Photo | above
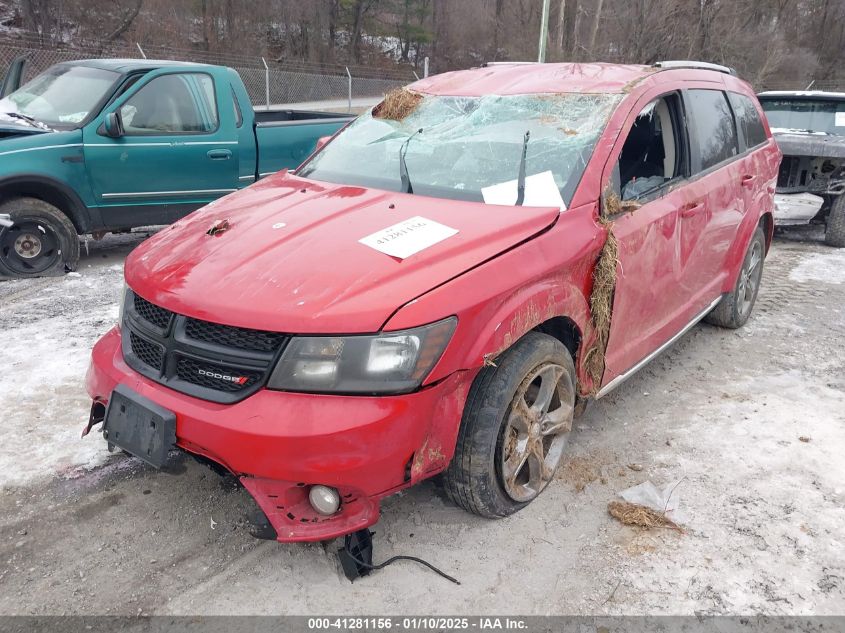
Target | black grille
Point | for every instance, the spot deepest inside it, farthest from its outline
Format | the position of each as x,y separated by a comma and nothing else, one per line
215,362
217,377
242,338
151,313
148,353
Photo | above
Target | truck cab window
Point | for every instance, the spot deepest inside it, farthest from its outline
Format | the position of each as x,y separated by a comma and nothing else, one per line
172,104
652,153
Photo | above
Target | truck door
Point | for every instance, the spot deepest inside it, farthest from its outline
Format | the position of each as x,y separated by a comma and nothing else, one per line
171,153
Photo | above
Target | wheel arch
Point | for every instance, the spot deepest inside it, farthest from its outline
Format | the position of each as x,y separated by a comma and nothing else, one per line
50,191
767,221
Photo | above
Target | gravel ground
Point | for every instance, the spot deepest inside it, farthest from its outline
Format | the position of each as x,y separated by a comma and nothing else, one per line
751,421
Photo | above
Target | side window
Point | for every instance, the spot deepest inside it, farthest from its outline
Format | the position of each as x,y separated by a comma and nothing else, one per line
654,151
177,103
239,117
713,122
748,120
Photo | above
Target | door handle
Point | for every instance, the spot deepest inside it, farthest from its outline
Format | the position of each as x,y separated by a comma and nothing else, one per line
219,154
748,180
691,209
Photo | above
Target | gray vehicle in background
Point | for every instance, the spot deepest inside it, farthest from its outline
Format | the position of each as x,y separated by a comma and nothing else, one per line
809,128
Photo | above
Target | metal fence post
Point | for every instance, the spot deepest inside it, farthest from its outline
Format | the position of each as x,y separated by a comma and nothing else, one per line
425,66
266,83
141,50
349,75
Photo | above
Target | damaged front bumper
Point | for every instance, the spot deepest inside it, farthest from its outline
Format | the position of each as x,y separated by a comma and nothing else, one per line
279,444
796,208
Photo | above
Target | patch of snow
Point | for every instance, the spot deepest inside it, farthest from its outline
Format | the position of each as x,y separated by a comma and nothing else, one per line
828,267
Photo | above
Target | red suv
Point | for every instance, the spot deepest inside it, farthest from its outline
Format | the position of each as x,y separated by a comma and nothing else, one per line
442,286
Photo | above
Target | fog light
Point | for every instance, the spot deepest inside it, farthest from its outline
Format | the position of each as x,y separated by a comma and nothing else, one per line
324,500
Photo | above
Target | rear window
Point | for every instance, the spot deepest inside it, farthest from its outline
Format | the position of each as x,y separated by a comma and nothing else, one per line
713,123
813,116
748,119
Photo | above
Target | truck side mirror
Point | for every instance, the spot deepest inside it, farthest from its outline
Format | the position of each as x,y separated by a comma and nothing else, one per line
112,125
321,142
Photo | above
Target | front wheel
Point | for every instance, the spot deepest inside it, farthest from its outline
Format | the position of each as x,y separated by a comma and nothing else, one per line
41,241
735,307
515,428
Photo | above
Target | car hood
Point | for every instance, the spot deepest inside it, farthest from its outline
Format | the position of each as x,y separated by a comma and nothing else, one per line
808,144
12,126
287,257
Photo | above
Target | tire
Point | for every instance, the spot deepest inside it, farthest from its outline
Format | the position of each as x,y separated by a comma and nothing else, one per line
735,308
43,240
500,434
834,234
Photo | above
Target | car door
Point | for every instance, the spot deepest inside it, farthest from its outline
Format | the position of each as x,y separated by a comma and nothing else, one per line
173,152
647,196
709,228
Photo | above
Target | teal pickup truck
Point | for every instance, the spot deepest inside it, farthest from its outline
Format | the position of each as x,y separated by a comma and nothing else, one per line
110,144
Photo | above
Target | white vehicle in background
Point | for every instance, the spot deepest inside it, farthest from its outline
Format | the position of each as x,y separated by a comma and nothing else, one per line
809,127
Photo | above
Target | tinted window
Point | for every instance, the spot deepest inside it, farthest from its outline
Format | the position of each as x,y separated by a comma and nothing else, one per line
748,120
172,103
713,123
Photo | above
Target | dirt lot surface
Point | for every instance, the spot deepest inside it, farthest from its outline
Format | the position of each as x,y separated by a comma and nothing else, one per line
751,421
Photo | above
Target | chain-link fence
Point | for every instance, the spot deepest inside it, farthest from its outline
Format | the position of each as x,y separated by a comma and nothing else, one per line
270,82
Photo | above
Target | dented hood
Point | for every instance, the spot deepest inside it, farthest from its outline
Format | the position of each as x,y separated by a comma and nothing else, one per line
796,143
286,255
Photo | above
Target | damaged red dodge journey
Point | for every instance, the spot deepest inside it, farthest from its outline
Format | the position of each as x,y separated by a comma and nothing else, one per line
441,286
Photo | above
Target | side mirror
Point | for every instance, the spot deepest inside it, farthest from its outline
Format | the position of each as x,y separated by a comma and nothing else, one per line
112,125
321,142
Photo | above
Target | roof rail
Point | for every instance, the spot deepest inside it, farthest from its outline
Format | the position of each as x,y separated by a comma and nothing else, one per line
486,64
694,64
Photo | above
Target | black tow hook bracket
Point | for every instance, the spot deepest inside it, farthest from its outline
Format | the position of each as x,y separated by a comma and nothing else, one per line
356,555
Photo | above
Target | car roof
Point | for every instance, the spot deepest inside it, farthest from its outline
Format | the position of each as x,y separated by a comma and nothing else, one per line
531,78
129,64
804,94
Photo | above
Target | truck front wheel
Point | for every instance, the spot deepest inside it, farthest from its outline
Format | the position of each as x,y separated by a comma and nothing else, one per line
834,234
515,428
42,240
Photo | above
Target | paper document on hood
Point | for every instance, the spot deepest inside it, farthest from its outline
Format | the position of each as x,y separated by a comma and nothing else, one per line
406,238
540,191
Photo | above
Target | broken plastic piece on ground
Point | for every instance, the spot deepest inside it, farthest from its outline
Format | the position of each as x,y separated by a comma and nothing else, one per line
665,502
218,227
356,557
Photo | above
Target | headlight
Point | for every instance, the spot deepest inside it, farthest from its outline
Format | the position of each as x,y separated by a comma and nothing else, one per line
391,362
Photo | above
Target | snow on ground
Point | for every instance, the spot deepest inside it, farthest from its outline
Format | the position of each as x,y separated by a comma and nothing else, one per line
44,351
827,266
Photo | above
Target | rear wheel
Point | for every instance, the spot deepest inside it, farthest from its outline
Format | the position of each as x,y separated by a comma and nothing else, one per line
834,234
515,428
735,308
42,240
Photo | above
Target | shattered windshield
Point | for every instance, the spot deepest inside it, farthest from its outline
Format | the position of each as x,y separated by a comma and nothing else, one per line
62,96
466,143
806,115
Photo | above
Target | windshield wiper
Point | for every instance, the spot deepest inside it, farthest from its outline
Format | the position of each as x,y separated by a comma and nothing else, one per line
25,117
404,178
520,183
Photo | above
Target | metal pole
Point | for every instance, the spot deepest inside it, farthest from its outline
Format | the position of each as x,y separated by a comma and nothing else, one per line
425,66
266,84
544,31
348,74
141,50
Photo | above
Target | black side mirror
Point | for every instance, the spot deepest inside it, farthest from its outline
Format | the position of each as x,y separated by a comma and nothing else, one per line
112,125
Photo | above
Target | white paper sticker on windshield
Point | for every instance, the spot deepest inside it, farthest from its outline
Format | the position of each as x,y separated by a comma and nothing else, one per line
406,238
540,191
839,119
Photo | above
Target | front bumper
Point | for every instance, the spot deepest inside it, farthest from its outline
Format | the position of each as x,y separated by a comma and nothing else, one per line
796,208
278,444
